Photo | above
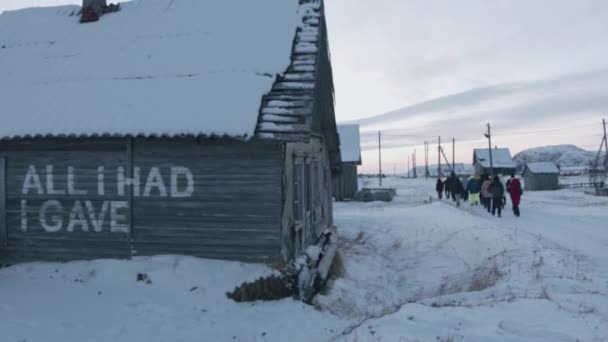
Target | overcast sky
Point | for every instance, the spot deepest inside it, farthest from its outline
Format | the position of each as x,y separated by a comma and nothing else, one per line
537,70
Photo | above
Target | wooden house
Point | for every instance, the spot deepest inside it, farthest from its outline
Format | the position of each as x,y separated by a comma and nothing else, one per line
541,176
203,128
347,183
502,162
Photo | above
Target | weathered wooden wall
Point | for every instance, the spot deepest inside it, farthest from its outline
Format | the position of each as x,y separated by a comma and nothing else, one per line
350,183
540,182
307,209
115,198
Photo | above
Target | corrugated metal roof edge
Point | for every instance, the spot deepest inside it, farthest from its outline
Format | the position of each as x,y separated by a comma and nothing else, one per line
121,136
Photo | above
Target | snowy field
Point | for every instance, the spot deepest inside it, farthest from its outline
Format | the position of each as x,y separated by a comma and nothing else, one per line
410,271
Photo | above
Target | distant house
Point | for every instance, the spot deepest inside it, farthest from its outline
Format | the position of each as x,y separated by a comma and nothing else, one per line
459,168
501,160
346,185
541,176
202,128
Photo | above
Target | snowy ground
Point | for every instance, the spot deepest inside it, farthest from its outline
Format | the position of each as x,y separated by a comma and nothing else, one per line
412,271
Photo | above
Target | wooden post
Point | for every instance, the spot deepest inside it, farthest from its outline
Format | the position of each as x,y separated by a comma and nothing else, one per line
428,151
605,145
3,227
453,155
439,157
380,158
415,164
490,150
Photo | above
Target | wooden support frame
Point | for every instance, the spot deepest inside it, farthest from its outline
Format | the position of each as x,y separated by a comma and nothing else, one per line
3,221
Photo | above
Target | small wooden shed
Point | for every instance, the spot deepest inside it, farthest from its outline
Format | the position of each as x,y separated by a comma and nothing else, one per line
347,183
541,176
502,162
203,128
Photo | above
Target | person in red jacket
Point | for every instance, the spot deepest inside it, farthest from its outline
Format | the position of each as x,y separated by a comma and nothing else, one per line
515,191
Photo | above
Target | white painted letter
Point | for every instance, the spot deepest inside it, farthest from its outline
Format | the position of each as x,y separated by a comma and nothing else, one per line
101,188
97,221
71,183
184,171
56,219
123,182
155,180
24,216
32,180
77,217
50,187
115,226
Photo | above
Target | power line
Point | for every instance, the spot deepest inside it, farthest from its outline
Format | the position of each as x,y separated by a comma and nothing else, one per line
414,131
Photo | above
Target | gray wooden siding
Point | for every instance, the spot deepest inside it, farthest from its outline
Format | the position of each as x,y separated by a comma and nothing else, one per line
232,212
350,183
307,206
27,239
540,182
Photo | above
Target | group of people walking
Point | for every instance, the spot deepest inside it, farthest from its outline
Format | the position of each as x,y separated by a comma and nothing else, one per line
484,190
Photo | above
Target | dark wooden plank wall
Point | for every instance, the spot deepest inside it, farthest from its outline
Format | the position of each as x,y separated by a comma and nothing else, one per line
312,194
233,212
3,229
350,183
27,238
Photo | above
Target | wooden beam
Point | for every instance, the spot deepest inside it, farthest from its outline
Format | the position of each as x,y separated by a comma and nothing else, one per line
129,172
3,227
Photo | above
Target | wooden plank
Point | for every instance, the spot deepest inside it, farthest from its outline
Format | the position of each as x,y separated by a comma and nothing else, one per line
3,217
130,168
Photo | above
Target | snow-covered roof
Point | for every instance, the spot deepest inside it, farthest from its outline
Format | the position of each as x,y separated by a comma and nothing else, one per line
350,143
542,167
501,158
157,67
459,168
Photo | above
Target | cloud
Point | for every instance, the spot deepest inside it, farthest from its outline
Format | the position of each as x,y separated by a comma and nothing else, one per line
393,53
565,109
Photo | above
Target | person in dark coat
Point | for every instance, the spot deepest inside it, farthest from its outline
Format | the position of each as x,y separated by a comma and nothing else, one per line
515,191
456,188
439,188
498,191
448,187
465,191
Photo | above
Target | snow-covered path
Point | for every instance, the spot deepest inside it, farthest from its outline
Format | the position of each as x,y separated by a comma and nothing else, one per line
412,270
462,274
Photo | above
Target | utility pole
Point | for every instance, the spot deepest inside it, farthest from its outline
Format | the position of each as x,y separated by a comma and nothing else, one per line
408,166
415,164
439,157
489,136
426,160
606,146
453,154
380,158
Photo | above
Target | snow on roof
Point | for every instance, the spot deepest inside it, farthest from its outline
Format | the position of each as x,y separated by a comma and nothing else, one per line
501,158
542,167
156,67
459,168
350,143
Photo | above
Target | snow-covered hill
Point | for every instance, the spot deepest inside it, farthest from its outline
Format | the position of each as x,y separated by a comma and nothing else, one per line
563,155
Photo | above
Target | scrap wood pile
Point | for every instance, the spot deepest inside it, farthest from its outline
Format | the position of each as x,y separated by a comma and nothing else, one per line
92,10
303,278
